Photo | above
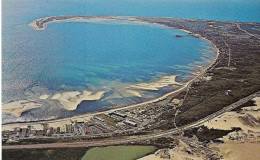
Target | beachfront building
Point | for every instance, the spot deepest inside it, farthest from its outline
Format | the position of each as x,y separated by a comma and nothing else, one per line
127,121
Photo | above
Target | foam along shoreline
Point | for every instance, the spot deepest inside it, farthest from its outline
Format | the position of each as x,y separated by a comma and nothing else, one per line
70,100
16,108
156,85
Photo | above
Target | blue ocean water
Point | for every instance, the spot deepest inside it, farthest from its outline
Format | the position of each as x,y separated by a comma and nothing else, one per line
89,56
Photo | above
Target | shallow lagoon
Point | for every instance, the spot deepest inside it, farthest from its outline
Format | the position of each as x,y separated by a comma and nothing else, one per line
118,152
88,56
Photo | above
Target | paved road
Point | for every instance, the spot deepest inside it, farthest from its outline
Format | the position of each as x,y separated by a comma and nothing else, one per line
136,138
239,27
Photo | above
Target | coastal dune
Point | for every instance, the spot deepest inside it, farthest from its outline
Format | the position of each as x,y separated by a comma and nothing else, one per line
242,144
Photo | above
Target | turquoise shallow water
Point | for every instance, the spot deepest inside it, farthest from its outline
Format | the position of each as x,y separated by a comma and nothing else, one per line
88,56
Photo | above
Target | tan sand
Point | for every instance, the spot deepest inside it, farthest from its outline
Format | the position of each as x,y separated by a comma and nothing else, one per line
35,27
93,19
253,108
229,120
224,122
198,71
44,96
70,100
163,82
240,145
133,92
233,119
18,107
177,153
207,78
239,151
176,101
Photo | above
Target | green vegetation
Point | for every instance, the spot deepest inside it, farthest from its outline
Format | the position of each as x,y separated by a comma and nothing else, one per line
205,134
237,69
118,152
31,141
247,104
44,154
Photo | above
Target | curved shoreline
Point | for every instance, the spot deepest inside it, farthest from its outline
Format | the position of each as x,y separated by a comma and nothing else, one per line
41,23
135,19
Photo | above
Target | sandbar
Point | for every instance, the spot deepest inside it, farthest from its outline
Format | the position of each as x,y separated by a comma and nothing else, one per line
156,85
44,96
70,100
133,92
16,108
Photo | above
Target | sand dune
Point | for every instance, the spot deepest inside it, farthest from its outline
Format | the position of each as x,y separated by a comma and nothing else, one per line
243,144
234,119
177,153
239,151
